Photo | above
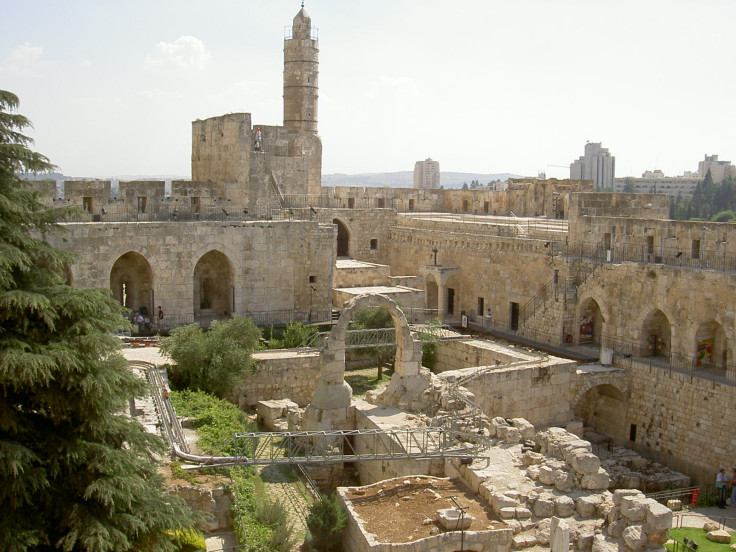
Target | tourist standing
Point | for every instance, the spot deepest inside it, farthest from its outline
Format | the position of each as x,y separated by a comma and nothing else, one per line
488,319
160,318
722,483
733,487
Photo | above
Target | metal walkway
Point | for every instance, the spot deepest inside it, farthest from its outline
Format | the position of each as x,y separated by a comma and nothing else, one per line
311,447
386,337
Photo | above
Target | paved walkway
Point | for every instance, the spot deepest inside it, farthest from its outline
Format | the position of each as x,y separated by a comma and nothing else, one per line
698,516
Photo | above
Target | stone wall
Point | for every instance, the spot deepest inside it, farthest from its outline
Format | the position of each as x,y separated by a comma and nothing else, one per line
608,204
363,226
281,374
541,392
221,148
270,263
456,355
685,423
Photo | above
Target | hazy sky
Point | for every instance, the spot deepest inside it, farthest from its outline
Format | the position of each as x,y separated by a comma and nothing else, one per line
479,85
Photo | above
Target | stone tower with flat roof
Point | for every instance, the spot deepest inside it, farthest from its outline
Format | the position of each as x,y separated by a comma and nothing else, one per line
301,73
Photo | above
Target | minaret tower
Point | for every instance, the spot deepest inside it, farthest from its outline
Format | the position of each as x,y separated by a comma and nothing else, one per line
301,72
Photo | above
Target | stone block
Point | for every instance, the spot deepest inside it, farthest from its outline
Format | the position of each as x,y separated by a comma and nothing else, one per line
560,536
709,526
634,508
543,532
720,536
634,537
616,529
519,542
619,494
500,501
523,513
564,506
507,512
601,545
585,540
584,462
525,428
531,458
565,482
658,516
544,508
451,520
586,506
674,504
595,481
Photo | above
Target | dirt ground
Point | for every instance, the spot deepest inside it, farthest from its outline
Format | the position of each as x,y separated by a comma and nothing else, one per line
398,512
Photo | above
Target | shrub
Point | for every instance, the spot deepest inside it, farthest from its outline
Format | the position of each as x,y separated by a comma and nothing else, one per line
190,541
214,360
325,524
295,334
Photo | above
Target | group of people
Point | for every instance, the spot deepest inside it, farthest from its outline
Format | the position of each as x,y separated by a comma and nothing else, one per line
144,322
723,484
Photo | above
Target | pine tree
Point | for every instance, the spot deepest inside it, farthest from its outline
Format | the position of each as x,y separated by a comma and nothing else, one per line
75,472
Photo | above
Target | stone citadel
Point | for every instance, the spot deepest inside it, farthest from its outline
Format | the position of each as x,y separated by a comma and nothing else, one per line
591,276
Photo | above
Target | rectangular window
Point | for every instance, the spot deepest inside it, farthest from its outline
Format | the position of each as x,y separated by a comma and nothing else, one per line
514,316
381,203
374,244
196,204
481,306
465,205
696,249
142,204
351,203
411,204
486,206
632,433
87,204
450,301
312,279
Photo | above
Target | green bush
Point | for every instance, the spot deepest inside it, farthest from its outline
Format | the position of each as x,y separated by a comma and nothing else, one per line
429,345
325,523
215,420
212,360
295,334
189,541
258,526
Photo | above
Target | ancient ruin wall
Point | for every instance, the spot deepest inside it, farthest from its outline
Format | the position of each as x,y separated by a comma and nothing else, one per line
221,148
685,423
271,261
281,374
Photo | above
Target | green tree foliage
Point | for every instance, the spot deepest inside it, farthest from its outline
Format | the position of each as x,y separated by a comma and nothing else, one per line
214,360
710,201
628,185
295,334
325,523
370,318
429,344
75,473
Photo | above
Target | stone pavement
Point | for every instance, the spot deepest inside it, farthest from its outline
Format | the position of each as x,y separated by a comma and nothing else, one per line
696,517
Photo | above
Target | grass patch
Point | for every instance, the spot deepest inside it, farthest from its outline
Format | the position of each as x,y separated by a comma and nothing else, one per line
366,380
697,535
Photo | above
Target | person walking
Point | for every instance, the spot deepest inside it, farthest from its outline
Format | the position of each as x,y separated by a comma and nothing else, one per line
733,487
160,318
722,483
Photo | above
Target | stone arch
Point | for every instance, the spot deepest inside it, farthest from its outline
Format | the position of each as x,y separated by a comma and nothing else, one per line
711,345
656,335
333,392
590,321
603,407
343,238
213,286
131,282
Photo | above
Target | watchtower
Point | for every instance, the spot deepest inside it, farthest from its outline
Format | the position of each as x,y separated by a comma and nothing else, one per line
301,73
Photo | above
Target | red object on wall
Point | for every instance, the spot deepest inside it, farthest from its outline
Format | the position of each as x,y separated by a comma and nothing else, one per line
694,499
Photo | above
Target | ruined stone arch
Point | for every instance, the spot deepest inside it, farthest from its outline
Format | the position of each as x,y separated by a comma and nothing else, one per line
589,321
213,280
655,339
132,281
408,349
343,237
603,406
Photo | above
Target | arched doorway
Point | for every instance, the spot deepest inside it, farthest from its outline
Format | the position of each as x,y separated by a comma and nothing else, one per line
603,408
590,322
711,345
656,335
213,287
131,282
343,238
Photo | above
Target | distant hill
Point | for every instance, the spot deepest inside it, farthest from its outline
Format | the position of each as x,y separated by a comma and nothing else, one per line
405,179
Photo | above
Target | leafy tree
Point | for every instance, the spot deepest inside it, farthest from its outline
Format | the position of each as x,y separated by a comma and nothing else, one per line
75,473
295,334
369,318
212,360
325,523
724,216
429,344
628,185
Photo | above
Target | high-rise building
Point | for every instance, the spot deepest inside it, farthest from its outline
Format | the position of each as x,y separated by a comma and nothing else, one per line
597,165
427,174
719,170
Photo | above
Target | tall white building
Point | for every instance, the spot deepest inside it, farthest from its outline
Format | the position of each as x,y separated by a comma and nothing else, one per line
427,174
719,170
597,165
